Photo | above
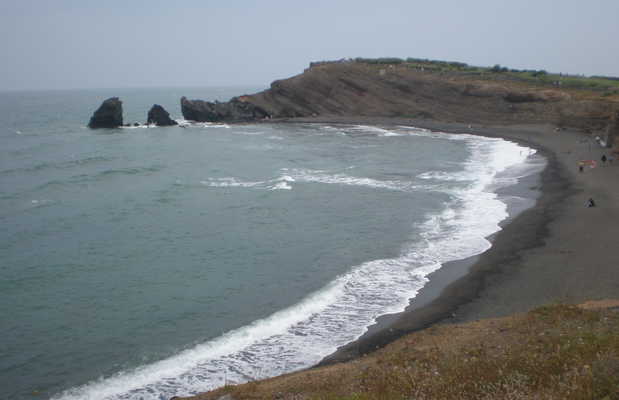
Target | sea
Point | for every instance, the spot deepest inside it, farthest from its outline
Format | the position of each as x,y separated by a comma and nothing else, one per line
150,262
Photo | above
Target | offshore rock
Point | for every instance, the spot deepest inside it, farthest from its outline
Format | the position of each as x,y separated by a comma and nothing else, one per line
235,110
160,117
108,115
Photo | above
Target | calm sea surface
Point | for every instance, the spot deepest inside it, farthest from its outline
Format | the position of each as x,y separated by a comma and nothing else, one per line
143,263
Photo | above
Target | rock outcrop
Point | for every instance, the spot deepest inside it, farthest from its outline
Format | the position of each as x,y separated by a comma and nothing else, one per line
362,89
108,115
159,116
235,110
402,89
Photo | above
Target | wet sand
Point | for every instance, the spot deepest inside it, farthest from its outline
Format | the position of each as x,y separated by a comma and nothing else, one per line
558,251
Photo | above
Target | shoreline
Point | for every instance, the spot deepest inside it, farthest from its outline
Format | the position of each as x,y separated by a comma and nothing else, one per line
399,324
528,256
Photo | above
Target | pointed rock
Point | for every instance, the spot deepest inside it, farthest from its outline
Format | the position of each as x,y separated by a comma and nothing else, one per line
160,117
108,115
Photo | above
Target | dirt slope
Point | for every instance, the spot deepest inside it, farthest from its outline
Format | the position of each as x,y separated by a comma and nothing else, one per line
359,89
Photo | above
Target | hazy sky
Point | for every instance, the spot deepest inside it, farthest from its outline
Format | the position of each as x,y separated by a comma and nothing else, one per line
56,44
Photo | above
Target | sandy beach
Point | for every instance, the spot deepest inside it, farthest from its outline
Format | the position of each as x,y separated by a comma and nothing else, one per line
558,251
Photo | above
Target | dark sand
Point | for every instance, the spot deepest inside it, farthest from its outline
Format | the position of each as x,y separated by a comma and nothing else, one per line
558,251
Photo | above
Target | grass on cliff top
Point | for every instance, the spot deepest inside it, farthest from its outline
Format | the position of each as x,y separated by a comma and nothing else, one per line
606,85
553,352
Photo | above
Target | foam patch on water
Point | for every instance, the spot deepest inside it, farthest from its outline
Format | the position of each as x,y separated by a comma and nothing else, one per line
183,123
280,183
376,130
141,126
40,203
356,130
317,176
294,175
300,336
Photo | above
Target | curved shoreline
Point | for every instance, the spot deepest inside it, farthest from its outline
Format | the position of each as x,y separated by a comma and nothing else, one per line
459,282
522,268
557,251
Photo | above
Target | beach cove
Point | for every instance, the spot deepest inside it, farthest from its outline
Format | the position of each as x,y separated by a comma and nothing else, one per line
222,287
557,252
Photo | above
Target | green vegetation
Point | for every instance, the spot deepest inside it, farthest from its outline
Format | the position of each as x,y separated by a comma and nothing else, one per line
554,352
607,84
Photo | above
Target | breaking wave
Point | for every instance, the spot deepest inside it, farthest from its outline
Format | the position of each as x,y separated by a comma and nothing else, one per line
301,335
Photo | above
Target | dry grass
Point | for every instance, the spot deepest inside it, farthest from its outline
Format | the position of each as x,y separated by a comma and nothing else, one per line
553,352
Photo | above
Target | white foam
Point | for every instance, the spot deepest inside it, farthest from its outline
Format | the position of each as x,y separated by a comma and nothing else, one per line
318,176
141,126
303,334
213,125
283,183
373,130
413,128
376,130
300,175
183,122
38,203
193,124
230,182
280,183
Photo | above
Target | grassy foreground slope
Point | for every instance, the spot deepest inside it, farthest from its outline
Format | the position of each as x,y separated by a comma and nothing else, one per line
552,352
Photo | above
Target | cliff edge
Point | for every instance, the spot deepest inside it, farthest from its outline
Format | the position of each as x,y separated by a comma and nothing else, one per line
447,92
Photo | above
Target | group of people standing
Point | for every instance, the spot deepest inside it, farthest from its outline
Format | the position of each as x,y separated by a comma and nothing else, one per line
604,159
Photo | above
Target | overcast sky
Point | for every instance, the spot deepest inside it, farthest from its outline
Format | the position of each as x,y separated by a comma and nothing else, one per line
62,44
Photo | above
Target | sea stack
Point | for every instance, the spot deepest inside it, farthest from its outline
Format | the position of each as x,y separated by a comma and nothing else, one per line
108,115
159,116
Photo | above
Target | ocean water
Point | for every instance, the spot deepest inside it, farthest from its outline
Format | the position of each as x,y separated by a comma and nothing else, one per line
143,263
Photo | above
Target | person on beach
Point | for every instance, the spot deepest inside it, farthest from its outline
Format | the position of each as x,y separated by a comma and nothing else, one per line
590,203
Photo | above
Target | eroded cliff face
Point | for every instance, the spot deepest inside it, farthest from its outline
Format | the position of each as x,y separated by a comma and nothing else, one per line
359,89
235,110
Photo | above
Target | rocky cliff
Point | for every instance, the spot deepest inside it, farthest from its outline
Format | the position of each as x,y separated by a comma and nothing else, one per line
407,90
235,110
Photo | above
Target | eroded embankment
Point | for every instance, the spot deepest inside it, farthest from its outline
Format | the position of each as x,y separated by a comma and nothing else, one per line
405,91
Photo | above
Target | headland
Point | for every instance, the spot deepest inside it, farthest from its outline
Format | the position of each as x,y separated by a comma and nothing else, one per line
558,251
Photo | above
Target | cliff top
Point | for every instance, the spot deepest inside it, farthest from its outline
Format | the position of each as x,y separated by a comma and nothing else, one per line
424,89
607,85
